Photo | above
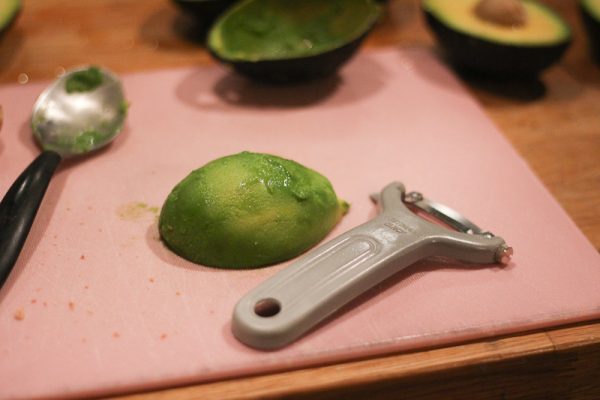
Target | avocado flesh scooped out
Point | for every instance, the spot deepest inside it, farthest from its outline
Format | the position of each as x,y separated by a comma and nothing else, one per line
290,40
487,46
248,210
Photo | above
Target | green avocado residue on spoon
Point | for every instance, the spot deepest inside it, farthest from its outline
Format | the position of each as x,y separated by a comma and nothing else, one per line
82,143
249,210
84,81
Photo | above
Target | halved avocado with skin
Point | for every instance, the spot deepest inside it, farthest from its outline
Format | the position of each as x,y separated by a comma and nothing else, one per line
9,9
291,40
502,37
590,13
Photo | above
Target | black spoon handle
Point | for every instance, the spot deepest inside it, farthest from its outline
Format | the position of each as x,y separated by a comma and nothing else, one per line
19,207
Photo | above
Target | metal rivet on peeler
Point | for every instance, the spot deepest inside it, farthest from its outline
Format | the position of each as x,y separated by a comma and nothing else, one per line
413,197
504,254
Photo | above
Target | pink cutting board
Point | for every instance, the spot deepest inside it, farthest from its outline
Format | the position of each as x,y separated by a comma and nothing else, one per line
97,305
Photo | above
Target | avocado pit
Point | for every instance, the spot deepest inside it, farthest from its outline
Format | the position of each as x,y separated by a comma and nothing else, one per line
502,12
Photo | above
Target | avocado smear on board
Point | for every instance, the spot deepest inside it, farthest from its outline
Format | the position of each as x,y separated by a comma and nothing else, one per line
248,210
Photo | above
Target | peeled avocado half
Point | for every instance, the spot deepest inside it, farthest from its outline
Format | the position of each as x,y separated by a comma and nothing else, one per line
590,12
498,37
248,210
291,40
9,9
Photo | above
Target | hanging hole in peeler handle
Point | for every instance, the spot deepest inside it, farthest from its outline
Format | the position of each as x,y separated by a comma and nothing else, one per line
267,307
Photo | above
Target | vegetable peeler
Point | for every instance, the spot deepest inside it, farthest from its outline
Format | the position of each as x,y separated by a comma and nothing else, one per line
290,303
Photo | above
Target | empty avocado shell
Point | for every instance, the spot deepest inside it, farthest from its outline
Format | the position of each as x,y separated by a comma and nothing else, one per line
509,38
290,40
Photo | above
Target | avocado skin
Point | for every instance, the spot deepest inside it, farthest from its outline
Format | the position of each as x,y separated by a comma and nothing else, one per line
295,70
204,11
6,26
592,27
490,58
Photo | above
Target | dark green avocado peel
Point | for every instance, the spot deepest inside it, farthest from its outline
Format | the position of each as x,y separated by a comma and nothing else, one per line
204,11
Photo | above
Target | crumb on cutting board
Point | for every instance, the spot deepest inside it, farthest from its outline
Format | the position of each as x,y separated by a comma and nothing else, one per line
19,315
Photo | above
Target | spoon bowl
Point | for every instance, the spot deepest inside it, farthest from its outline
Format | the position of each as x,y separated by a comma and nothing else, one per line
80,112
77,122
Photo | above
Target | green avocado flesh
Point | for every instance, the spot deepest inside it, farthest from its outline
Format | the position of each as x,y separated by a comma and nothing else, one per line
8,10
248,210
592,7
84,81
256,30
543,27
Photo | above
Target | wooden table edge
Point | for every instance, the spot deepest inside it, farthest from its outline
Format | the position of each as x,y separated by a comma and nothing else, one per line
579,342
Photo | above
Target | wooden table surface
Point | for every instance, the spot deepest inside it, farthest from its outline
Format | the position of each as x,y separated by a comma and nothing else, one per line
553,123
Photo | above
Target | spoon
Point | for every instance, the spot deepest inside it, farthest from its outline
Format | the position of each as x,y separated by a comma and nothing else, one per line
80,112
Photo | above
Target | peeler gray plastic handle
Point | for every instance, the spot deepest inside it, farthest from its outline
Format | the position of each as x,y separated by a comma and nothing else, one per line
293,301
